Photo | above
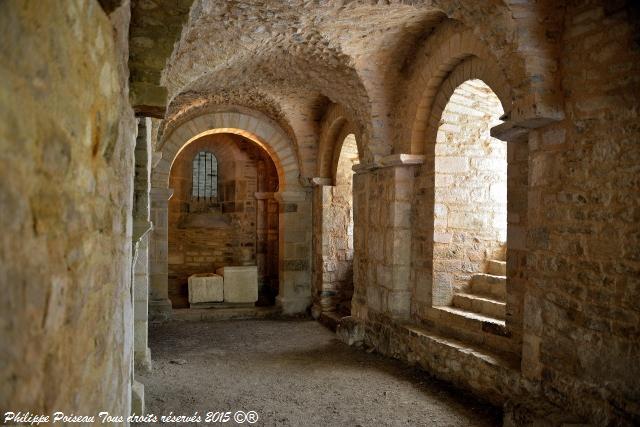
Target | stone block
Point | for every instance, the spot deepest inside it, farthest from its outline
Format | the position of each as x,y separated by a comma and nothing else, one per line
240,283
206,287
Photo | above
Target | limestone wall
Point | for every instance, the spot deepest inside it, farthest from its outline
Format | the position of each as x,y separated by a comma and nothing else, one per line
66,172
237,228
582,324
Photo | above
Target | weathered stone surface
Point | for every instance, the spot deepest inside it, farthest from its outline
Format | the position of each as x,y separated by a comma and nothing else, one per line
206,288
67,135
240,284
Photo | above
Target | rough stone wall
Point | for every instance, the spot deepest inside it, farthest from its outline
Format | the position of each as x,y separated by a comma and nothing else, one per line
204,236
470,212
582,325
573,273
66,173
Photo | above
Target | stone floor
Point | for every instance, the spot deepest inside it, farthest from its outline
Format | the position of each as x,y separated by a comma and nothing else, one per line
294,373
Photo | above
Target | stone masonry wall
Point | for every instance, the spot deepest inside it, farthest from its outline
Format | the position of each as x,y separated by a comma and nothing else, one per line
204,236
66,175
470,212
574,225
582,324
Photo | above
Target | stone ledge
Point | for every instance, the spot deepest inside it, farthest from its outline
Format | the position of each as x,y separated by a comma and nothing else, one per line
490,374
402,160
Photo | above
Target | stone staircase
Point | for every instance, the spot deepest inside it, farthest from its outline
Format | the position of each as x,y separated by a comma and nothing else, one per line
487,293
477,314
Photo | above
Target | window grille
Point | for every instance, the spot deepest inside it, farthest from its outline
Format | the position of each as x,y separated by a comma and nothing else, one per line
205,176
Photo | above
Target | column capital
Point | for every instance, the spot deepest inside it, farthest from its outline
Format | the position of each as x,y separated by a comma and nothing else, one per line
518,130
362,168
392,160
401,159
321,182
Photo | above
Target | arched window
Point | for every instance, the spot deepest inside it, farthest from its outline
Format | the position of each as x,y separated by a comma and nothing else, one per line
205,176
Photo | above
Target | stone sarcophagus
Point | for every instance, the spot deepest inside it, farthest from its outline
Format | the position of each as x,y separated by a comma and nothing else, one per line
240,284
205,288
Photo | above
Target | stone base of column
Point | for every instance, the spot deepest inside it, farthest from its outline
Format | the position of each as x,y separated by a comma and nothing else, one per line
137,398
142,361
293,305
160,310
316,311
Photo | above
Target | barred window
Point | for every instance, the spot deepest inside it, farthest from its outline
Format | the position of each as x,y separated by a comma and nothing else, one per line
205,176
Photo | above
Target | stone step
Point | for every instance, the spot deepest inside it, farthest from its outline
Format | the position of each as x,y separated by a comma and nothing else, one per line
489,285
330,319
479,304
507,362
474,328
497,268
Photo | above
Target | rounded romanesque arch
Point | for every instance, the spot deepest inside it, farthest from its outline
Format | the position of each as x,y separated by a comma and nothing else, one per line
469,69
336,125
293,199
450,49
437,291
253,126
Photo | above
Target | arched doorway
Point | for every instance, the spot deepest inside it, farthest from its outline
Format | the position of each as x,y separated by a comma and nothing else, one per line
335,231
470,206
293,202
222,213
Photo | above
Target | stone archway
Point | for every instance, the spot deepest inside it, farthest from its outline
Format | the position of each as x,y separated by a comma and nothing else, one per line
434,291
293,199
334,231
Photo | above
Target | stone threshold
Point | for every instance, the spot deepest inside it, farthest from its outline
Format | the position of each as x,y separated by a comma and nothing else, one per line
497,359
471,327
231,313
330,319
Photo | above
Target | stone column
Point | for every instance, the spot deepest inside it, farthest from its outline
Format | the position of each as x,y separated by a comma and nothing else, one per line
382,217
295,220
401,170
159,304
321,297
360,240
263,253
141,228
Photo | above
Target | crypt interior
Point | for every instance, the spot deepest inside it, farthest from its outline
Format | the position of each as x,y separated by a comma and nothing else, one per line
329,212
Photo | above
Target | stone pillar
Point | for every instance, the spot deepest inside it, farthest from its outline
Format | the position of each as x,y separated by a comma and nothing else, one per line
398,239
524,320
382,217
142,354
517,230
141,228
266,252
320,295
295,220
360,240
159,304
